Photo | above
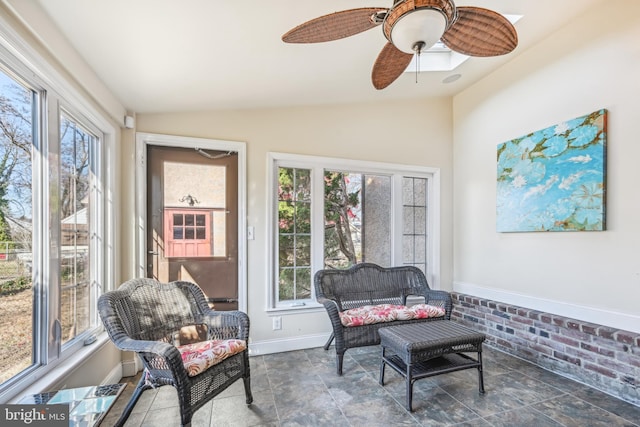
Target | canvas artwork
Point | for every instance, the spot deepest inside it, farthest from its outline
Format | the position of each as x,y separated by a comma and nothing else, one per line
554,179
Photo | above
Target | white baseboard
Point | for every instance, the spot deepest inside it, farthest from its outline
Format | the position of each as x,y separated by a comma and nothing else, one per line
259,348
130,367
114,376
613,319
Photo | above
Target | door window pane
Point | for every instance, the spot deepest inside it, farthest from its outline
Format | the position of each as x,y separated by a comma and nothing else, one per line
189,234
178,233
201,233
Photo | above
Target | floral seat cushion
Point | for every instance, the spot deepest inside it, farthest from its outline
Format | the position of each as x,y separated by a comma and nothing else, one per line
200,356
370,314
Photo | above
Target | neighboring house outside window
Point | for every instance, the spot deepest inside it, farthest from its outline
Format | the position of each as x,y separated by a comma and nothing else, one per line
334,213
187,233
55,256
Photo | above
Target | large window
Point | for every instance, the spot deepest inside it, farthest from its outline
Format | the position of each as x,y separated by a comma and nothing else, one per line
331,213
53,237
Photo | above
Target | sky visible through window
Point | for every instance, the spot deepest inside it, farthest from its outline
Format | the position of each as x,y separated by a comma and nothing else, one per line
15,146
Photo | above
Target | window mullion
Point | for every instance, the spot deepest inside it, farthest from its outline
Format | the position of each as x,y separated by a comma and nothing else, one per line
51,229
40,215
396,219
317,220
97,230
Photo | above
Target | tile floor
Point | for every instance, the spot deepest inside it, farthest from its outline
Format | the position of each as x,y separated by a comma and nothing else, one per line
301,388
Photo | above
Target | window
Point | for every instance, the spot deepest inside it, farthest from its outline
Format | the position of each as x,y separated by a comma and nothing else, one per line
357,219
17,142
332,213
189,226
414,221
294,234
77,200
54,238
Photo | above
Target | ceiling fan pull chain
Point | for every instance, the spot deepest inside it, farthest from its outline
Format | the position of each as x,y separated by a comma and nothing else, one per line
417,47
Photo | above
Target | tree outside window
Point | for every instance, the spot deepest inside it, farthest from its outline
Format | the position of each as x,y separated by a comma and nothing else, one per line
16,293
334,214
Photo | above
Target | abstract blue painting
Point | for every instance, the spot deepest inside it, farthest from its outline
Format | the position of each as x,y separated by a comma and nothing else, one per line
554,179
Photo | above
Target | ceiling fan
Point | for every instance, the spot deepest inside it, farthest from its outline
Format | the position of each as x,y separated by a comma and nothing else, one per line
411,27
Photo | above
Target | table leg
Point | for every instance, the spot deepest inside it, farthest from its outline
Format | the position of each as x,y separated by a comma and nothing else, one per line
480,374
409,387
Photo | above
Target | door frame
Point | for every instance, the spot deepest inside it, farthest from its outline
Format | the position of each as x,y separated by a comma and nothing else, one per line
145,139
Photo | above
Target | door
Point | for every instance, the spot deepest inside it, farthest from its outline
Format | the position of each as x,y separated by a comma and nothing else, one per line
192,233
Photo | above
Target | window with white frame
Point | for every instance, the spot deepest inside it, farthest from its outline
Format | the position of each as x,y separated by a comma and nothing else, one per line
53,238
335,213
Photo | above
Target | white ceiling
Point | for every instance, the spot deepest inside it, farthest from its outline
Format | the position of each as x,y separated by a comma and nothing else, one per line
188,55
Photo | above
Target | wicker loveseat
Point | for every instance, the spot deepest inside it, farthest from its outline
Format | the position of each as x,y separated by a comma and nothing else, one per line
349,295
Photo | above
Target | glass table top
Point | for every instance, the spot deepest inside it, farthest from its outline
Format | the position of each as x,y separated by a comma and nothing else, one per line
87,405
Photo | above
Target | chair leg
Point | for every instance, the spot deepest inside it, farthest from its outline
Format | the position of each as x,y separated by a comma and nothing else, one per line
142,386
185,424
247,389
328,344
339,359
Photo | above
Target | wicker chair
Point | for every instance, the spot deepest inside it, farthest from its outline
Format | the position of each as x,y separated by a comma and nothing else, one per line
369,284
145,316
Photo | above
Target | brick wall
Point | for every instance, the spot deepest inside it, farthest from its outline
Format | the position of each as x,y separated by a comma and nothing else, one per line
602,357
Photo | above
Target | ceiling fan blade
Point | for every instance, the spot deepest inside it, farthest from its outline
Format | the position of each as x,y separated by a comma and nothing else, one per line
391,62
480,32
334,26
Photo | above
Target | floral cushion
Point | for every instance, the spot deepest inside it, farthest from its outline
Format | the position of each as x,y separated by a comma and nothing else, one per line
200,356
370,314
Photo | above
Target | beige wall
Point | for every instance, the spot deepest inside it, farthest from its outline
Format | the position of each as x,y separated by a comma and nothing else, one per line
592,63
408,132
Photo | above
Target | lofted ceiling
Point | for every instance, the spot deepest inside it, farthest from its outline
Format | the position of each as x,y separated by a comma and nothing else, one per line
191,55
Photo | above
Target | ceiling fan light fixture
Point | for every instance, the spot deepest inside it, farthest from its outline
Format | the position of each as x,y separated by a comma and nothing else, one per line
410,27
419,26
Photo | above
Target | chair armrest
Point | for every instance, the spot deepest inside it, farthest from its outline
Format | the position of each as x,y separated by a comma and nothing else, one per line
334,316
439,299
330,305
324,301
157,355
227,324
158,348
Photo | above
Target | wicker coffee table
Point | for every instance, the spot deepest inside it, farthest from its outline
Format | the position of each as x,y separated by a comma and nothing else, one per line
422,350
